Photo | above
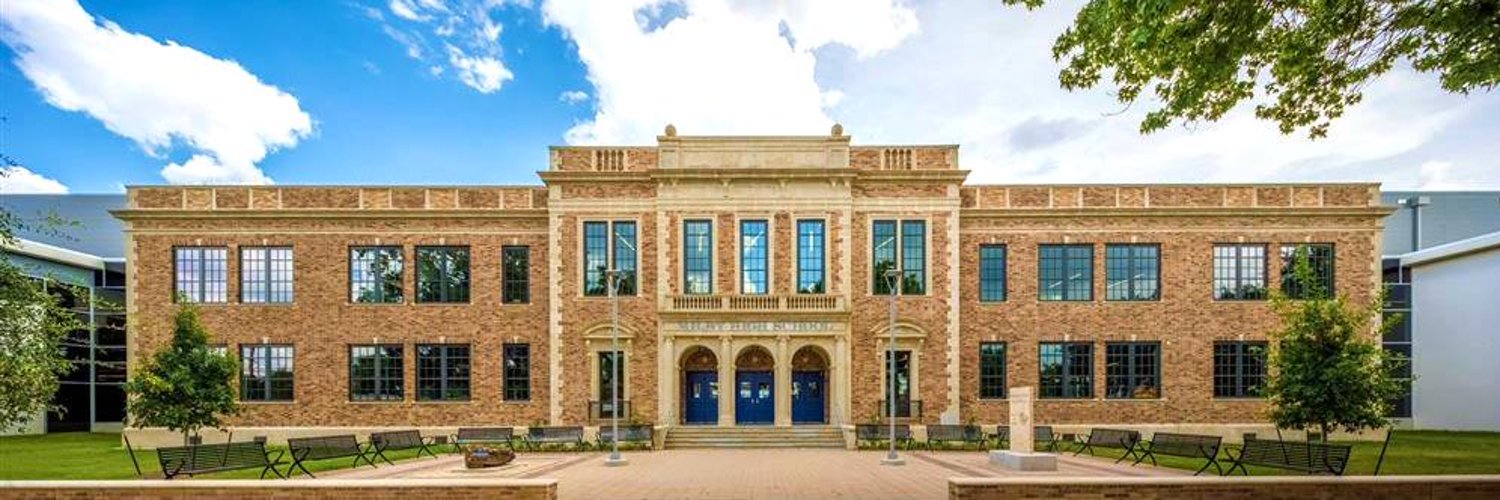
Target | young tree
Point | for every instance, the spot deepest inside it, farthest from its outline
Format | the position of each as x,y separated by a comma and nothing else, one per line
186,385
1327,370
1307,60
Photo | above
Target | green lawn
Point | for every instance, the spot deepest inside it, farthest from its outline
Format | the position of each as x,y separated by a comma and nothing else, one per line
100,456
1411,452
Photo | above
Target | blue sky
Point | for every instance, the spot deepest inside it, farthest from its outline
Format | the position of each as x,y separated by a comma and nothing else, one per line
106,93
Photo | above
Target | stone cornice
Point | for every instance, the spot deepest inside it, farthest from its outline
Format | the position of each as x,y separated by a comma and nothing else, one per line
978,213
512,213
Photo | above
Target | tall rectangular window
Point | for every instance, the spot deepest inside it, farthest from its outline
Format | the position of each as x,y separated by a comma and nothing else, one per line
991,273
901,373
1132,370
202,274
1320,257
443,274
442,372
515,265
1239,272
266,275
1239,369
991,370
266,372
375,275
376,373
1067,272
517,359
1067,370
624,257
611,374
810,264
754,257
697,257
595,258
1132,272
909,246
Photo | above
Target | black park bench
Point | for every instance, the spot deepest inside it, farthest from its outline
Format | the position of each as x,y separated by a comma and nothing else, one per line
380,442
1112,438
962,434
1309,457
569,436
881,433
1041,437
484,435
641,434
1183,445
205,458
318,448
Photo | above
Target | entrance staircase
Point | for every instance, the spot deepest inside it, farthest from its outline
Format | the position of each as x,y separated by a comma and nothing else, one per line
801,436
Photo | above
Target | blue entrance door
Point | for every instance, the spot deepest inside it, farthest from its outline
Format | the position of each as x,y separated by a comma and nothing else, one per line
702,396
754,399
808,393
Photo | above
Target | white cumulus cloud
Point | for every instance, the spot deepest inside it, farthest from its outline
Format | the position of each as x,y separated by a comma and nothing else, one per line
21,180
158,94
465,31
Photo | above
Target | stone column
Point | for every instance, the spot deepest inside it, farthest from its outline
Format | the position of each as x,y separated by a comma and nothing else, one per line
668,380
783,383
726,382
838,382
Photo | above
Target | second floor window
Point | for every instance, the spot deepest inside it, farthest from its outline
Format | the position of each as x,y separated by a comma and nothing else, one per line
810,265
1320,258
517,372
1067,272
266,373
266,275
992,370
443,274
1132,370
201,274
607,244
515,268
991,273
1067,370
909,246
1239,272
1132,272
754,257
697,257
375,275
376,373
443,372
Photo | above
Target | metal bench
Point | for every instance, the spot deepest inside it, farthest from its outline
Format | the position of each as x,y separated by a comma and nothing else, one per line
1001,436
538,437
638,434
205,458
1309,457
484,435
318,448
1044,439
880,433
380,442
962,434
1112,438
1183,445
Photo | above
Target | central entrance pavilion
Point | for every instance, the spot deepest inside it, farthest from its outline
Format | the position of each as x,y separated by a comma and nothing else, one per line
729,371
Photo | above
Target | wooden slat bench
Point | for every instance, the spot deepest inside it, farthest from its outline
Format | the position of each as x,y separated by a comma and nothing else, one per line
485,435
1309,457
962,434
1112,438
380,442
637,434
205,458
569,436
318,448
1183,445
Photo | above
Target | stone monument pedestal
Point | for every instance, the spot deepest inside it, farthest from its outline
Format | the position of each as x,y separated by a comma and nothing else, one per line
1024,462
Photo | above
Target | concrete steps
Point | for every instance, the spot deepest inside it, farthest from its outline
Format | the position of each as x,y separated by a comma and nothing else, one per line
820,436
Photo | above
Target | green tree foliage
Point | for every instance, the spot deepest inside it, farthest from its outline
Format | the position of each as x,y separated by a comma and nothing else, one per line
1327,370
1308,61
186,385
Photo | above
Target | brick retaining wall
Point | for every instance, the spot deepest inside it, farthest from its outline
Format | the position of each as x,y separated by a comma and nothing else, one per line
1230,488
320,489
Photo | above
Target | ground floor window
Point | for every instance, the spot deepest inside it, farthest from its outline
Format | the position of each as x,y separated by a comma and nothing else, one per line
443,372
1132,370
517,372
992,370
611,371
1067,370
901,373
1239,369
376,373
266,373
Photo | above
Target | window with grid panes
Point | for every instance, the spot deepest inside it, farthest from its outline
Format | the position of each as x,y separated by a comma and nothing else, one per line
992,370
754,257
1319,257
1239,272
1066,272
443,372
266,372
992,273
375,275
443,274
376,373
515,265
517,359
266,275
697,257
810,265
1132,370
1067,370
1132,272
1239,368
201,274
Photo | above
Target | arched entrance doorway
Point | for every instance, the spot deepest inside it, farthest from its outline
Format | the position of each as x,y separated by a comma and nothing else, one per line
810,386
700,387
755,395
